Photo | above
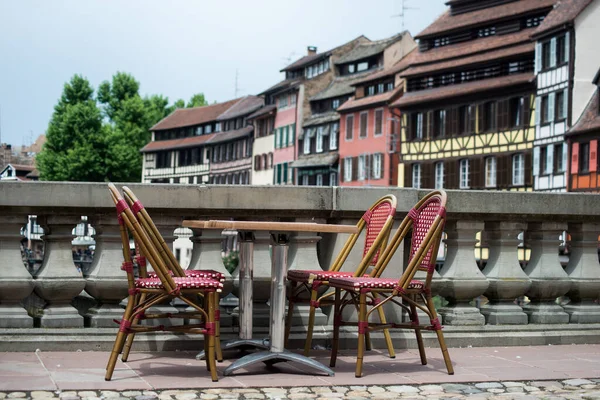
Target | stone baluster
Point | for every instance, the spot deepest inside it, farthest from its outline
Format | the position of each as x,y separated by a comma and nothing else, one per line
106,282
206,254
464,280
506,278
548,278
584,272
59,281
261,287
15,282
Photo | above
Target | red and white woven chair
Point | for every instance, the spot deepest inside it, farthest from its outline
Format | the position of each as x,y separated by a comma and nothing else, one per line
377,223
426,220
145,292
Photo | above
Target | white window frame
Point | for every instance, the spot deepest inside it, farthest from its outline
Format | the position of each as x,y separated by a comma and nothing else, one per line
332,178
319,179
361,167
464,174
319,147
306,144
491,172
335,104
377,165
439,175
348,169
333,136
518,169
416,176
304,180
419,127
218,127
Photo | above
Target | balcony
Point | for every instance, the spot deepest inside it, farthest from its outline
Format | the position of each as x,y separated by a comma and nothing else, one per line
488,294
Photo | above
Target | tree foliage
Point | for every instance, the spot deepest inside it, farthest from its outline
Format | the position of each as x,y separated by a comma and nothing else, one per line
98,139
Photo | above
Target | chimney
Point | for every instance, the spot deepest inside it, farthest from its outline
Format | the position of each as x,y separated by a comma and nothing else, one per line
312,50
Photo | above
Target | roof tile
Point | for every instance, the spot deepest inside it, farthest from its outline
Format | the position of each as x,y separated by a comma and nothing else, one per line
565,11
183,117
590,118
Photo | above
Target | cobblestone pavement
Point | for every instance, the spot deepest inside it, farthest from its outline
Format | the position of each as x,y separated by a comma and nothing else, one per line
552,390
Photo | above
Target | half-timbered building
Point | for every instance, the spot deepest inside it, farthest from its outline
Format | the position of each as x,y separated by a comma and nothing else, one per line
468,107
555,68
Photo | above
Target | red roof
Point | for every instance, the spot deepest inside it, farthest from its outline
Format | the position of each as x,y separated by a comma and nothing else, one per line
564,12
469,60
444,92
22,167
590,118
176,143
245,106
369,101
447,22
183,117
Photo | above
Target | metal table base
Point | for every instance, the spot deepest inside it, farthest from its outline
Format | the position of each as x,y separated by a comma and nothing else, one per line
266,356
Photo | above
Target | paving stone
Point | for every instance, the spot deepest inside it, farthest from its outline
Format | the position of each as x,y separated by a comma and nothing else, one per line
2,395
531,388
107,394
357,398
358,393
515,389
546,384
591,396
41,394
403,389
488,385
360,388
577,382
588,387
254,396
163,396
301,389
301,395
471,390
131,393
496,390
513,384
376,389
17,395
146,397
431,388
339,389
149,393
187,396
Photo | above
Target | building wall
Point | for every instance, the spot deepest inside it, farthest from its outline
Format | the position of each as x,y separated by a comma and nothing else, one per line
262,145
398,50
587,57
584,181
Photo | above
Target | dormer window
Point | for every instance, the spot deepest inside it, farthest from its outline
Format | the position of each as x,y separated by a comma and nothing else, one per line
317,69
370,90
335,104
208,129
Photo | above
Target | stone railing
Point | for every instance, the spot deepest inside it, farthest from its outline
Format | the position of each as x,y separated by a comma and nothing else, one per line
499,218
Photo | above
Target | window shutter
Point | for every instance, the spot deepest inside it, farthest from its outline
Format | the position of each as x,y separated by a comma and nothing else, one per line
450,178
565,104
480,127
565,154
538,57
341,163
551,100
536,161
408,175
528,169
538,110
287,136
593,155
553,52
567,47
575,158
429,128
550,159
354,168
426,176
409,127
475,166
526,111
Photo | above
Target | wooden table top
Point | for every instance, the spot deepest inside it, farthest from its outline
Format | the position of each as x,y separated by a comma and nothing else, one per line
271,226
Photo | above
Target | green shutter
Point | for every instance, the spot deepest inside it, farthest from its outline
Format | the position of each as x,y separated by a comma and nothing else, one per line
285,173
287,136
293,141
276,137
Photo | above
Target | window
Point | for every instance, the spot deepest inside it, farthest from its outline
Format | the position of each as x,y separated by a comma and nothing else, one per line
283,101
364,119
559,106
319,179
335,104
439,175
306,144
490,116
463,119
546,55
291,137
349,127
543,160
320,139
333,179
584,158
545,114
293,99
380,88
561,50
218,127
163,159
370,90
518,170
464,174
390,86
363,66
361,167
277,137
517,106
378,122
559,165
304,180
208,129
377,165
348,169
490,172
333,136
419,131
416,176
199,131
351,68
440,124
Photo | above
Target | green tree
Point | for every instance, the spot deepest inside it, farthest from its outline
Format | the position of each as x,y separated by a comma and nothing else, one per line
75,147
197,100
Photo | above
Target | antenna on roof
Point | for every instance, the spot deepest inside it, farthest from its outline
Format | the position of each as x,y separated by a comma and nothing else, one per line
237,88
289,58
402,13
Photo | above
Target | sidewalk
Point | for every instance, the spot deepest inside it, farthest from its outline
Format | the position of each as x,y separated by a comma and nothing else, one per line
180,370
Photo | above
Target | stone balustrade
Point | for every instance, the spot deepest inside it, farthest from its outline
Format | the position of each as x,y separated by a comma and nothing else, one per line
505,223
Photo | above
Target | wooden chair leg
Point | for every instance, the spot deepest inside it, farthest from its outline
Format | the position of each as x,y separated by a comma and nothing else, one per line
337,319
210,354
415,320
119,340
311,323
290,314
386,334
218,349
440,336
129,342
362,329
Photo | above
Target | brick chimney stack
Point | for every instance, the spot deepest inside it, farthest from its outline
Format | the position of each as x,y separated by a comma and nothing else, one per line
312,50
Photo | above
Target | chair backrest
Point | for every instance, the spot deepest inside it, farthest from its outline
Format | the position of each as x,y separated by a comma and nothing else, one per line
426,220
146,246
377,223
152,232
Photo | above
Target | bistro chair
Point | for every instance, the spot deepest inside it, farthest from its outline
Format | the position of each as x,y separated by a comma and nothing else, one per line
145,292
426,220
169,259
377,223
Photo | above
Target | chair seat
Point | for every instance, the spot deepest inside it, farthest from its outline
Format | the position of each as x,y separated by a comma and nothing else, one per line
303,275
201,273
181,283
355,284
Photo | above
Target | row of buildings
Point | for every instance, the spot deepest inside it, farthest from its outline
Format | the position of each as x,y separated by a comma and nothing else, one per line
494,94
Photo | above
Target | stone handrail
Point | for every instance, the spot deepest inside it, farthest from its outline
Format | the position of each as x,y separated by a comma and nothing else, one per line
500,219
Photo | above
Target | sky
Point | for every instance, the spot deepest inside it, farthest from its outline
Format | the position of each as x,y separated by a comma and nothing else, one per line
173,47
